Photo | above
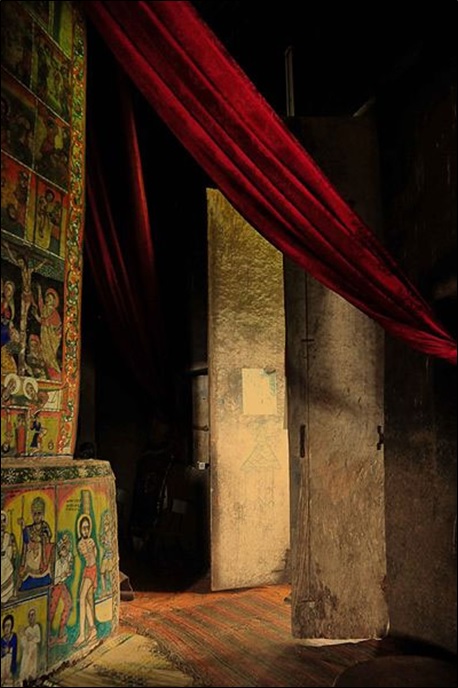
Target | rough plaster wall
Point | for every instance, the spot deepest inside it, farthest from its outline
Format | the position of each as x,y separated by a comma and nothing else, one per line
249,458
420,199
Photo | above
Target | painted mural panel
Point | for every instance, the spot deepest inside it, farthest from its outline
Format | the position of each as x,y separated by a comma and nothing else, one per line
60,571
16,42
42,162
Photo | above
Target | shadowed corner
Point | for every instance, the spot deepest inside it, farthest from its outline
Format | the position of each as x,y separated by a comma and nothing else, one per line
411,663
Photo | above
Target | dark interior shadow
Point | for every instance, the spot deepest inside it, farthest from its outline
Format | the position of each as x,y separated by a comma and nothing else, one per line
408,645
402,662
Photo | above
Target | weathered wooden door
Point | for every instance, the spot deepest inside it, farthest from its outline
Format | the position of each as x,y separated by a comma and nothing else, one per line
334,502
335,402
249,473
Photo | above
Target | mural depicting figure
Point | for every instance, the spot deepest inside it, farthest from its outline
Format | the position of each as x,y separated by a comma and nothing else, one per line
10,335
16,33
8,309
87,550
60,592
27,266
50,330
37,549
106,539
35,362
10,387
18,115
9,652
20,432
9,554
38,432
38,578
30,644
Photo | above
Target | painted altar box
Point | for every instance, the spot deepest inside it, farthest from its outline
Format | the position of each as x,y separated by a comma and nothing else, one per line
60,575
60,569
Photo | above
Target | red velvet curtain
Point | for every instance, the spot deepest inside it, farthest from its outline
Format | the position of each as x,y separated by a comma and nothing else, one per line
216,112
126,279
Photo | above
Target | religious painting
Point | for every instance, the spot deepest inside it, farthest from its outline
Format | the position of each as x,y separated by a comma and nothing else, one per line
24,636
29,527
52,147
10,324
16,42
31,518
14,431
62,26
18,120
51,76
32,336
30,424
59,559
18,198
42,212
40,10
85,568
42,432
50,217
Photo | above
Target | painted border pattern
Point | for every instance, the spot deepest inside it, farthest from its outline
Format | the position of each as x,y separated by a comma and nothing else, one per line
66,444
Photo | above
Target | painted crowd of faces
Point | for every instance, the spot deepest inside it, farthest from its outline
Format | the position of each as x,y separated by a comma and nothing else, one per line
59,576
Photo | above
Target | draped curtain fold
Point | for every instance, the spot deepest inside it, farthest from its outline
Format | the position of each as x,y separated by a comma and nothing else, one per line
211,106
126,281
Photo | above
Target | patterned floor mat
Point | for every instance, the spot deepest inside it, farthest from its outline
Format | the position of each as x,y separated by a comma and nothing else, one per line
127,659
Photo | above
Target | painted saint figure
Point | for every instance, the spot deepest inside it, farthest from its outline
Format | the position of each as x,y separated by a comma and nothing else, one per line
30,642
38,433
60,592
7,399
27,267
9,652
8,309
44,206
10,335
106,539
88,552
20,432
35,363
10,387
37,549
50,331
9,554
21,193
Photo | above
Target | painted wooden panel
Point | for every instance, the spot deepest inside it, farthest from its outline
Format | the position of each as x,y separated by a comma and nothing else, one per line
248,436
42,158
